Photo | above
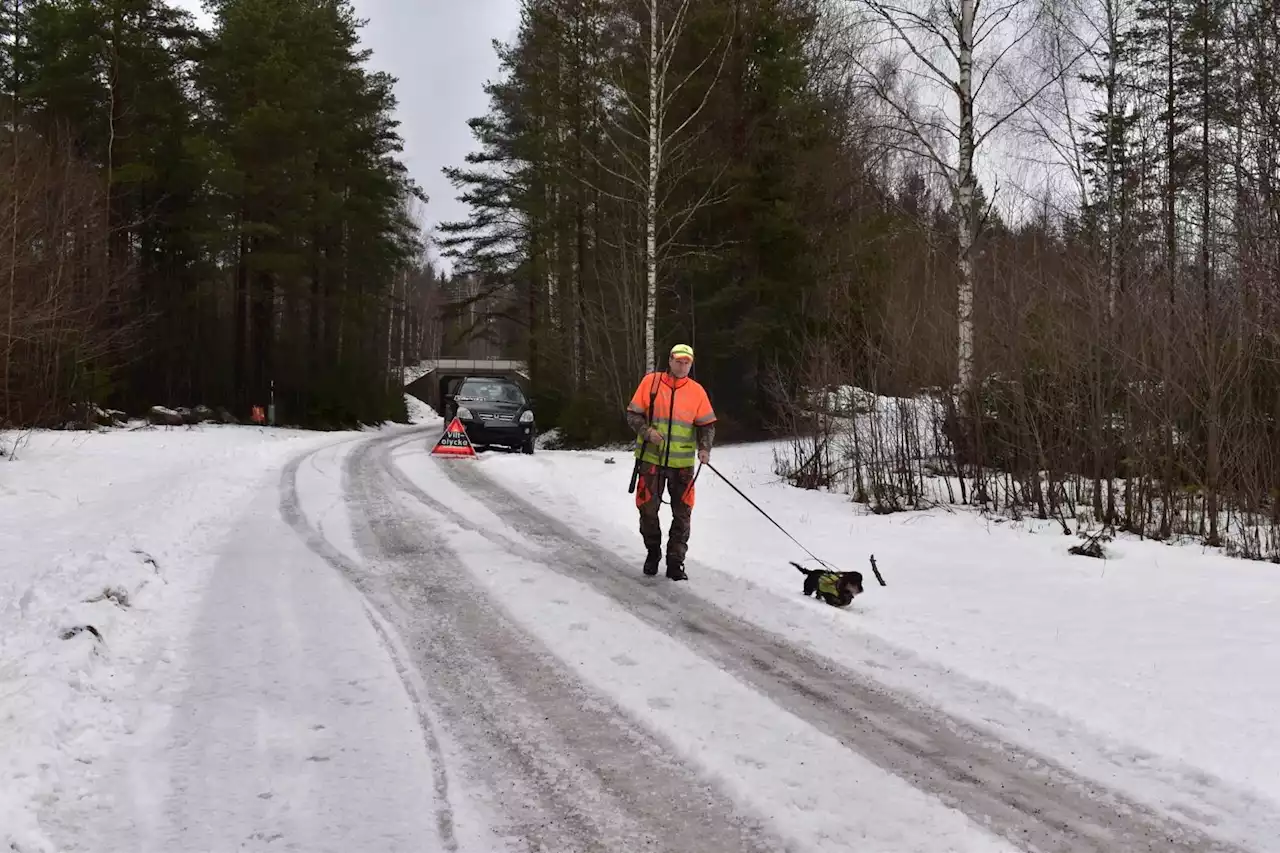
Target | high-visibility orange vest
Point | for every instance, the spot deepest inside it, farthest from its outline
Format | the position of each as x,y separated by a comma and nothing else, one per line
679,406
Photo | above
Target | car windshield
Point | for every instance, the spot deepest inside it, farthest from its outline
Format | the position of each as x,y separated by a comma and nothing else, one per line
490,392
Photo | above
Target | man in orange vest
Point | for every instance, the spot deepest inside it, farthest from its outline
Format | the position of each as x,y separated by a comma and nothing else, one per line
674,424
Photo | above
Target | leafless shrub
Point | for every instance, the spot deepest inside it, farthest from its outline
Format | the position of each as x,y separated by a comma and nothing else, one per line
62,327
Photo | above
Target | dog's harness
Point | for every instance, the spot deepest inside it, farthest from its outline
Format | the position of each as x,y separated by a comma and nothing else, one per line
828,584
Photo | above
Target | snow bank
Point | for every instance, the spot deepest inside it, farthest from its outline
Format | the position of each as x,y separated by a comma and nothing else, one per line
892,452
1154,670
548,440
419,412
58,671
876,415
414,372
107,531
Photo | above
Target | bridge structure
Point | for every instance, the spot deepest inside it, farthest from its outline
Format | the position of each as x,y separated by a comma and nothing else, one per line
432,380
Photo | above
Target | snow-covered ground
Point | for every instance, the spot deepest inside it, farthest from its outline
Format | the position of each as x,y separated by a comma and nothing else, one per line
117,531
202,718
799,777
1155,669
419,412
414,372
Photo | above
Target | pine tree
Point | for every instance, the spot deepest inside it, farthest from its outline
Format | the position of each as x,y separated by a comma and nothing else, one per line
316,203
232,205
560,196
749,305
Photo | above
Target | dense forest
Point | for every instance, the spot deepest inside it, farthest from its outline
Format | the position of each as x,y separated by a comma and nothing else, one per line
1043,238
194,217
1059,222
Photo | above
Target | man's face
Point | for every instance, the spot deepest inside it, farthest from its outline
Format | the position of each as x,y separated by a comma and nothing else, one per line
680,367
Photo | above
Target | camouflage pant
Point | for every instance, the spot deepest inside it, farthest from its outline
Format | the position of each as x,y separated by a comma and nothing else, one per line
649,491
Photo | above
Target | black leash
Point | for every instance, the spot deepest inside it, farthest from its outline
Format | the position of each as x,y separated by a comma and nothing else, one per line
815,557
766,515
662,485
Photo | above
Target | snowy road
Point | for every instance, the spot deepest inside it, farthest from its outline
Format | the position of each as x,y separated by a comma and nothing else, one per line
526,715
336,643
563,770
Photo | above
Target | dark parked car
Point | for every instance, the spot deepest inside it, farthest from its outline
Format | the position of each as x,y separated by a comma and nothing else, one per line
493,410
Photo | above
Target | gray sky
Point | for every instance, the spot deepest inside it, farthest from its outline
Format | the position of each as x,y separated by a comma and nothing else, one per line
440,53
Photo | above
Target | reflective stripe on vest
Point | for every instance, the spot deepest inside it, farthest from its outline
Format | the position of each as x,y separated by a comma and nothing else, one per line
682,447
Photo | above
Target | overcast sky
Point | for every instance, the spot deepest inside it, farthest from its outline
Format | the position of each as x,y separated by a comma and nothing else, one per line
440,52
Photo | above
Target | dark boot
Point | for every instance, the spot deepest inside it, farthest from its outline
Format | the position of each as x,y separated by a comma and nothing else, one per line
675,571
651,562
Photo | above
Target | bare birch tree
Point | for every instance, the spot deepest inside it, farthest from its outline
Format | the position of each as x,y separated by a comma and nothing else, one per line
665,135
947,44
10,313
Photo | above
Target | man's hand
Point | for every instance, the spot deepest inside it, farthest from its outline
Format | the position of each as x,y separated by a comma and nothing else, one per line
704,456
653,436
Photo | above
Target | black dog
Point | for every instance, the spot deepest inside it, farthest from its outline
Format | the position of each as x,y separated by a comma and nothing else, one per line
835,588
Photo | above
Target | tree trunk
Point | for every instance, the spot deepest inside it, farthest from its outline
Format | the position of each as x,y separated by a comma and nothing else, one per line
1213,460
1171,249
651,197
966,197
13,234
240,371
967,218
263,319
580,202
1113,39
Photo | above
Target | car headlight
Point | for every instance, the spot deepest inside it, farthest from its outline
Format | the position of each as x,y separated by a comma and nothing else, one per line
464,413
527,417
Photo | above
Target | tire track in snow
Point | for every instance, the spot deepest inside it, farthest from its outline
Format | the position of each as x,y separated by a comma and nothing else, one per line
291,512
1024,797
569,770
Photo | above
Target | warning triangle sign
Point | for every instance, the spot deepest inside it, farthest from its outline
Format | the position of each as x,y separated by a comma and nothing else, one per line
454,442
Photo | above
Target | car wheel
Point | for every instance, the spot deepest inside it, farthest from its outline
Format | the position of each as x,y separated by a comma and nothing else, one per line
527,447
